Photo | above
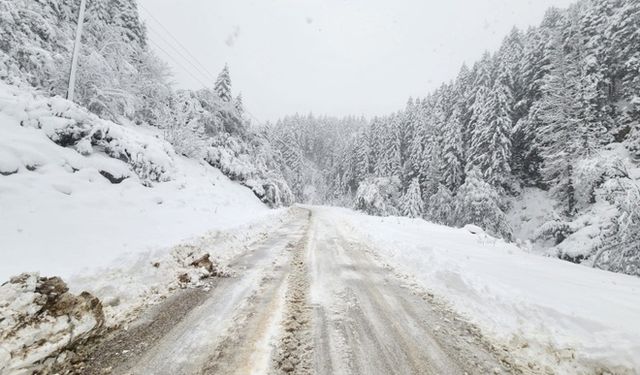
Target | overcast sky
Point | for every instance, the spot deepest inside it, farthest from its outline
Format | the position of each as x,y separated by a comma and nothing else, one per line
337,57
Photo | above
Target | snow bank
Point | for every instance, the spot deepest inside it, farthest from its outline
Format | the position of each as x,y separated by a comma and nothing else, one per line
39,318
68,125
78,192
136,280
535,302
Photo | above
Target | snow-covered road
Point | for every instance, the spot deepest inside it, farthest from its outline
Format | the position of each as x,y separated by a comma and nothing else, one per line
367,321
306,300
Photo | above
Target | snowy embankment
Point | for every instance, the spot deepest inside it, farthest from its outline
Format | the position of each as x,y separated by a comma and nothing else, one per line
576,316
110,209
114,190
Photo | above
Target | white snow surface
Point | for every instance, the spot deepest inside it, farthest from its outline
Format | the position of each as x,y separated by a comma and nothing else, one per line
533,302
60,216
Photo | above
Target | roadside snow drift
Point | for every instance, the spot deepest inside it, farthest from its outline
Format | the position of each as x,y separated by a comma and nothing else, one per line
539,304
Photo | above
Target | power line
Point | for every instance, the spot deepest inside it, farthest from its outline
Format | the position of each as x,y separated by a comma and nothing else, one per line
206,71
177,62
207,77
254,117
178,42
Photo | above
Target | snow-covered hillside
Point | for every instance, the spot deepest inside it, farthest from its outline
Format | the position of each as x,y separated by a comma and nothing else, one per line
116,190
570,313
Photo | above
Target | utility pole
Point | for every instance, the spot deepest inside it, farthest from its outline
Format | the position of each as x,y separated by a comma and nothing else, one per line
76,51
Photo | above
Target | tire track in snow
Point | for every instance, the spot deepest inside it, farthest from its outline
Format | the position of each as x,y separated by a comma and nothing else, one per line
295,348
254,341
246,346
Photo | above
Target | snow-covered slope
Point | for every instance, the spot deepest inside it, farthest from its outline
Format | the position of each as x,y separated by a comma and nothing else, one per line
539,304
114,190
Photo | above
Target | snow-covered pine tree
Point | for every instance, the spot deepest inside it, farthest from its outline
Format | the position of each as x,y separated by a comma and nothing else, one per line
592,49
558,122
569,127
536,64
124,14
491,135
452,162
361,161
228,117
377,145
586,48
407,137
396,151
431,158
482,78
411,203
525,148
238,104
222,86
624,58
293,163
415,161
510,61
497,136
432,169
464,96
478,203
480,109
391,157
